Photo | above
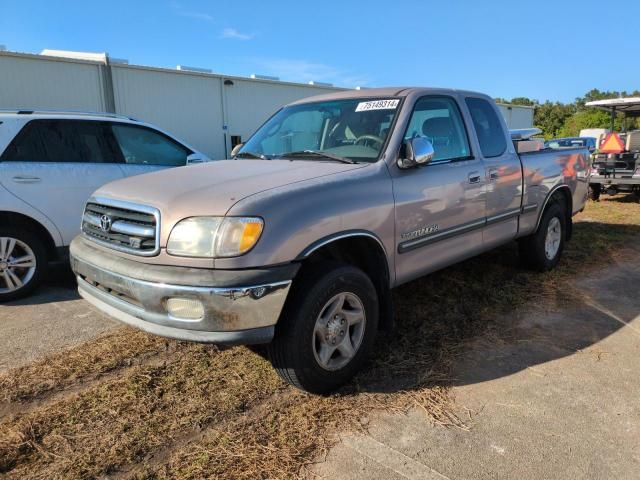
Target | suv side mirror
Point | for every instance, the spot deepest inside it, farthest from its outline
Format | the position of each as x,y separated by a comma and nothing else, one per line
417,151
236,149
194,158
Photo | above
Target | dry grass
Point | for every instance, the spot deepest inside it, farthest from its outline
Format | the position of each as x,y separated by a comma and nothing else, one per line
201,412
103,355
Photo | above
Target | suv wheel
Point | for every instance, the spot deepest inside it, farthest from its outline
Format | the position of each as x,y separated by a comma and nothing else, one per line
542,250
22,262
327,328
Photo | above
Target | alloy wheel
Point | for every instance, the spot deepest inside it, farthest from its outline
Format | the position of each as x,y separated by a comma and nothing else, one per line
17,264
553,238
339,331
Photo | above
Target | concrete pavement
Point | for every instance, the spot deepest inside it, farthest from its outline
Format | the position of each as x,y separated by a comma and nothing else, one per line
54,318
558,399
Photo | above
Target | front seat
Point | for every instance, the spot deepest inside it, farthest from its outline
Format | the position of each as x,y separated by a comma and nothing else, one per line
441,132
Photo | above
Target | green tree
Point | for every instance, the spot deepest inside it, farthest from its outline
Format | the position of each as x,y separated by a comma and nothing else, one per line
557,119
551,117
588,118
523,101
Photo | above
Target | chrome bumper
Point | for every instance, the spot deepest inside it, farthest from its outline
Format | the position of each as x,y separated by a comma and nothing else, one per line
617,180
232,315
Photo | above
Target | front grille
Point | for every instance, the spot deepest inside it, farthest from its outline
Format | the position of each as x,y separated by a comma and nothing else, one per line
125,227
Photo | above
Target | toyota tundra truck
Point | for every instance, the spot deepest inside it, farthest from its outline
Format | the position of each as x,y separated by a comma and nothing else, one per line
297,240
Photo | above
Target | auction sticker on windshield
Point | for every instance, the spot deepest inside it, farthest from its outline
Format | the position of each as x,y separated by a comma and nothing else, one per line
390,104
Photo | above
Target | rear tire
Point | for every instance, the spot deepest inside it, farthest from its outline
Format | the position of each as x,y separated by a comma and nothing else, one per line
23,262
594,192
327,328
541,251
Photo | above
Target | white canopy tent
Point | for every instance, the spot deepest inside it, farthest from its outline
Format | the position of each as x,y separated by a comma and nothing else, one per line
629,107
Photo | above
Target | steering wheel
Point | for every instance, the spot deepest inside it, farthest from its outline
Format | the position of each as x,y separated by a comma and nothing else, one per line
373,138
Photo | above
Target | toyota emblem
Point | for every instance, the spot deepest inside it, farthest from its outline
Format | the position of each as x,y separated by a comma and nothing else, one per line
105,223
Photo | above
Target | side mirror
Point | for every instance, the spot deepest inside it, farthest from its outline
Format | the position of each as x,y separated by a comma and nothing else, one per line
417,151
195,158
236,149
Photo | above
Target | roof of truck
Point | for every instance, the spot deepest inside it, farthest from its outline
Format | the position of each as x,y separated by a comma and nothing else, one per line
383,92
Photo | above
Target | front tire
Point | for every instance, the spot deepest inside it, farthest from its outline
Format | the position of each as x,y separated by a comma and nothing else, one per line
23,262
541,251
594,192
327,329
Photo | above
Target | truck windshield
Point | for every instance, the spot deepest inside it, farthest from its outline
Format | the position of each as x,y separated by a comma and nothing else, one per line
354,130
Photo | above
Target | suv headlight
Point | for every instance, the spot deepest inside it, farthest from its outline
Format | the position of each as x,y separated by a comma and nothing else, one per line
214,236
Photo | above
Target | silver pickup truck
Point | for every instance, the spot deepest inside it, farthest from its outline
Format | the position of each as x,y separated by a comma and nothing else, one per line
335,200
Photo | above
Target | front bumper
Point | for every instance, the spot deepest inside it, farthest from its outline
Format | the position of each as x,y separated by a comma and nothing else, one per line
240,307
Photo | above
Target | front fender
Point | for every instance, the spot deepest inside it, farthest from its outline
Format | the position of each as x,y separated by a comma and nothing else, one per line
299,216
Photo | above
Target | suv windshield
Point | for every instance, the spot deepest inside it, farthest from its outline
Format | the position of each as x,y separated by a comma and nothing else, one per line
354,129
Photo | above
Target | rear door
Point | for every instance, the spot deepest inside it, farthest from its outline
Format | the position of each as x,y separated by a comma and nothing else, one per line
146,150
440,209
502,172
55,165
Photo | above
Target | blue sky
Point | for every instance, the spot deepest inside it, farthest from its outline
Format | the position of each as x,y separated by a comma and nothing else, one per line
544,50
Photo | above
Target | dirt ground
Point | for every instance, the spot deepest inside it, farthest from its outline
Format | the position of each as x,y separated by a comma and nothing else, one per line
493,372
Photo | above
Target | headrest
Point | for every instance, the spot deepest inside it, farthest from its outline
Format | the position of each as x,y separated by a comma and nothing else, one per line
633,141
437,127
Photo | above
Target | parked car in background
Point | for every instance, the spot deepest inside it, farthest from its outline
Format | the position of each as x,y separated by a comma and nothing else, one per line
50,163
335,200
590,143
596,133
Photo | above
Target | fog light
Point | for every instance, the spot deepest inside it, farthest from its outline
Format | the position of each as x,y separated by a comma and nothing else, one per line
185,308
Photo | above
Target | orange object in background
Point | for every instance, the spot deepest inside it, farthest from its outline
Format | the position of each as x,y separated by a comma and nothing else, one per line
612,143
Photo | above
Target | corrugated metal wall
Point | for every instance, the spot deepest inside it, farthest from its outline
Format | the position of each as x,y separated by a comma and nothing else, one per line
188,106
204,110
34,81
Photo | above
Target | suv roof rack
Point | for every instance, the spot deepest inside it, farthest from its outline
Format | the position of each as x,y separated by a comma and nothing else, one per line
68,112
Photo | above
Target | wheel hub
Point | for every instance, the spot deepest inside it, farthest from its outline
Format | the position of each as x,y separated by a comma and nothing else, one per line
553,238
336,329
3,266
339,331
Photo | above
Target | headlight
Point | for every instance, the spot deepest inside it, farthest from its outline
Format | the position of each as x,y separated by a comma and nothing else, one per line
214,236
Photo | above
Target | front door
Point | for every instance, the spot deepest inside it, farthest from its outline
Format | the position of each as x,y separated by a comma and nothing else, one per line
55,165
440,207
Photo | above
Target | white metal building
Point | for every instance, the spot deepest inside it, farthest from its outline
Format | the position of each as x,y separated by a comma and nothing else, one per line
212,112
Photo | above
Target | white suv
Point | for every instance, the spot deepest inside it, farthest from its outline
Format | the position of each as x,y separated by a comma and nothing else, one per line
50,163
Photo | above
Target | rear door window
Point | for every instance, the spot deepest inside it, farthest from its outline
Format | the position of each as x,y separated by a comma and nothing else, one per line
488,127
62,141
143,146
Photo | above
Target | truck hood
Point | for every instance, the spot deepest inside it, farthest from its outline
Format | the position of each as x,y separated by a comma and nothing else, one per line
213,188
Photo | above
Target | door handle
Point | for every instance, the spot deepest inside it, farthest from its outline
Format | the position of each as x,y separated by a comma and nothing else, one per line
474,177
26,179
493,174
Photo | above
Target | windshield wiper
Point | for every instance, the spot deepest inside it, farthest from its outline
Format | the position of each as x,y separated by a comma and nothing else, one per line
315,153
249,155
